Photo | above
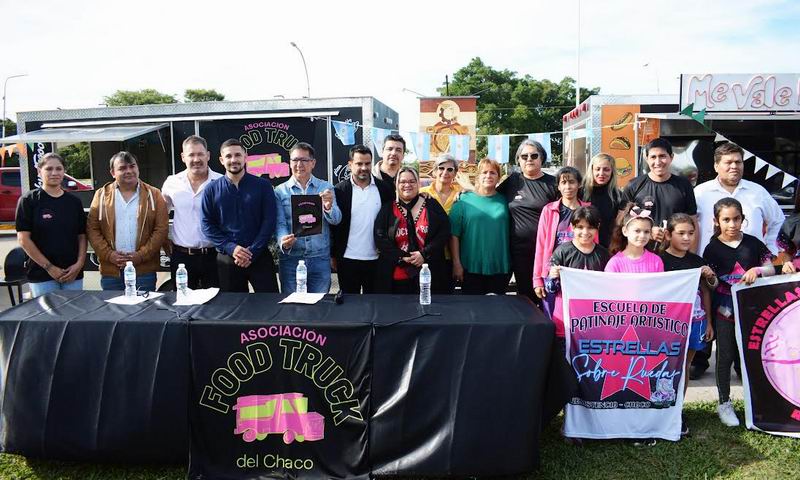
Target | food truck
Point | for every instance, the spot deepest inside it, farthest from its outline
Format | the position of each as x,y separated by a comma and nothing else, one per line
759,112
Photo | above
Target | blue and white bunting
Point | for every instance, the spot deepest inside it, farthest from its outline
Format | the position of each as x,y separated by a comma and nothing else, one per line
498,148
459,146
378,135
544,139
421,145
345,132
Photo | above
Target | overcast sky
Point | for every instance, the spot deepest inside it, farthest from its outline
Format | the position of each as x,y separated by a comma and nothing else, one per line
77,51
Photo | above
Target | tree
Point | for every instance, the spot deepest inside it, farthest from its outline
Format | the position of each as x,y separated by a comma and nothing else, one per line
202,95
509,103
76,158
11,127
148,96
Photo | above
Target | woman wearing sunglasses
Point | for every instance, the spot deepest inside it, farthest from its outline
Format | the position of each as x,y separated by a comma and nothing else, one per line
526,193
444,189
410,231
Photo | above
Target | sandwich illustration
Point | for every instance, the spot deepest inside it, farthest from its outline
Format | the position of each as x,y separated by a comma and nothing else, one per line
620,143
623,166
622,121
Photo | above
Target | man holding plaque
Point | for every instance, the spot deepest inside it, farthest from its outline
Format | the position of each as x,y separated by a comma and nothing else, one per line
306,209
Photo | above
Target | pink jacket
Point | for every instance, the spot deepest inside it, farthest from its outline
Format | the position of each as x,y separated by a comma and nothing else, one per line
546,240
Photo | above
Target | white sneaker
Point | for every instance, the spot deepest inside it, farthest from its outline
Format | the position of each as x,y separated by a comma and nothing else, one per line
727,415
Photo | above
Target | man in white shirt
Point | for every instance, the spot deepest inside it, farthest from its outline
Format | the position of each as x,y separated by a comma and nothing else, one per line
761,212
359,197
183,193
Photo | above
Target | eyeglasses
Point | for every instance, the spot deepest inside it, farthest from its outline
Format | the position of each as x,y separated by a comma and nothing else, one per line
301,160
407,182
446,169
532,156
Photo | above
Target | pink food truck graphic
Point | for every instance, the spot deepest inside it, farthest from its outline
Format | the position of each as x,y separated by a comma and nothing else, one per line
269,164
284,413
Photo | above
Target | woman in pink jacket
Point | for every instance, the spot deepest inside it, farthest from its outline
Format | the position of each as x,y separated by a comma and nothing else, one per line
555,229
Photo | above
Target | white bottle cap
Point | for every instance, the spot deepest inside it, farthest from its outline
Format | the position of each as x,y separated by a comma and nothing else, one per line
424,265
181,265
128,263
302,262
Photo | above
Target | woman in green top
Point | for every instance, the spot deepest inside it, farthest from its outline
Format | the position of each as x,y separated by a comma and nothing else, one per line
480,228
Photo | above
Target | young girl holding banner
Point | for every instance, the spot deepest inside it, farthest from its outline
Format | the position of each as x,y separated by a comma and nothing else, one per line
629,242
735,257
677,256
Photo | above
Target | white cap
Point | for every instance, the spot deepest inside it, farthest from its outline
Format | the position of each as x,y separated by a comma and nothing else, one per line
181,265
302,262
128,263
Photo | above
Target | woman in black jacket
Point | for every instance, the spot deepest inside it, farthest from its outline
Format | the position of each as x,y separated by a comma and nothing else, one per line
411,231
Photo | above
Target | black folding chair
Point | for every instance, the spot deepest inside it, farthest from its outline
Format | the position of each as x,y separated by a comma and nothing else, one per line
15,274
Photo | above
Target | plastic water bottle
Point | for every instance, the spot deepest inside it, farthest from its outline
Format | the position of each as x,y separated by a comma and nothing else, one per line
129,276
182,280
302,277
425,285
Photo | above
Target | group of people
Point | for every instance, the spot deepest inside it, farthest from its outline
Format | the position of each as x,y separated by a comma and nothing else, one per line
379,226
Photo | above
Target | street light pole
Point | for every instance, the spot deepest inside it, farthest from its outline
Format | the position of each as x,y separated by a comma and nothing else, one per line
308,84
4,99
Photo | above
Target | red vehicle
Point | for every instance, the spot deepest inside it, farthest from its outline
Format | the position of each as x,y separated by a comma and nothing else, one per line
11,189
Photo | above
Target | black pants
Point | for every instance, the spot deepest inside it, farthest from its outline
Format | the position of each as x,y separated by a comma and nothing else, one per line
522,265
202,268
475,284
356,275
260,274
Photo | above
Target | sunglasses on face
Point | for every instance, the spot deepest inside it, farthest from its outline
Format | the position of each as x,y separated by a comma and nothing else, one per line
447,169
532,156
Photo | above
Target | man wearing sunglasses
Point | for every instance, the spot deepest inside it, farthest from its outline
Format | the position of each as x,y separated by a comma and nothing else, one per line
315,250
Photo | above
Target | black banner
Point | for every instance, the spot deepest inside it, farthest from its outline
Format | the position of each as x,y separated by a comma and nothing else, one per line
768,336
279,400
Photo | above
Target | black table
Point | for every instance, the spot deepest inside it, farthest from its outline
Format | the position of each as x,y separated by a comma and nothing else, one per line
457,387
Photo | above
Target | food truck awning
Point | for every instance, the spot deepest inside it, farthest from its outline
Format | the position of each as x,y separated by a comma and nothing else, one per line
86,134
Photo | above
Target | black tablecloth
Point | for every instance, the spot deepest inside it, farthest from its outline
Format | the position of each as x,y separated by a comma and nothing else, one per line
458,387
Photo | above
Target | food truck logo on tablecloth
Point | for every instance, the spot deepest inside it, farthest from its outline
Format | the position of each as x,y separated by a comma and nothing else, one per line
286,414
276,133
297,354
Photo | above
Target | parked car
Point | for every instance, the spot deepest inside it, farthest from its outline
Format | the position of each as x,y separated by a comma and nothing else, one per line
11,189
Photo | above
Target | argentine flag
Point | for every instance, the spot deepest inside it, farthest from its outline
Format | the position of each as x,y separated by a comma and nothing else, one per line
544,139
345,131
459,146
421,145
498,148
378,135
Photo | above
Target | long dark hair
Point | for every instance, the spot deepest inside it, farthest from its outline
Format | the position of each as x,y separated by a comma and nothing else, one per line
726,202
618,240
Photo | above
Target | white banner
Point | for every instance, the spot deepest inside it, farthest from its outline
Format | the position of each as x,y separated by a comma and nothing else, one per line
741,92
627,346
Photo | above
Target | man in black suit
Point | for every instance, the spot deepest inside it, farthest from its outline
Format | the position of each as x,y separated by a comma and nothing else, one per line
360,198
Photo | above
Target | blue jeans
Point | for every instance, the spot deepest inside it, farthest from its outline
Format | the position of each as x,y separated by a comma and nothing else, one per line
319,273
40,288
145,281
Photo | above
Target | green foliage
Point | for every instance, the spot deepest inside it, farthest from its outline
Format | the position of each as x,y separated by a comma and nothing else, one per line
148,96
510,103
11,127
77,158
202,95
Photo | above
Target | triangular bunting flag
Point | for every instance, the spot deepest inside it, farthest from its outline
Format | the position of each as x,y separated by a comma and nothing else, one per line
498,148
378,135
720,138
421,145
544,139
747,155
759,164
688,110
787,179
345,132
772,170
459,146
700,116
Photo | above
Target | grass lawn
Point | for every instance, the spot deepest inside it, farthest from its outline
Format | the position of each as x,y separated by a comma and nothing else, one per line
712,451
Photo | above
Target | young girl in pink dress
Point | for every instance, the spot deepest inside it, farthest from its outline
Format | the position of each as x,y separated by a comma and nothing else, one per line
629,242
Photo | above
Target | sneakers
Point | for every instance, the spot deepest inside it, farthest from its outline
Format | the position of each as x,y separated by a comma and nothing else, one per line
684,427
727,415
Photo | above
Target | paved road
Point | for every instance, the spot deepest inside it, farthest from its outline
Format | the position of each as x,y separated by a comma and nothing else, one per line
700,390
